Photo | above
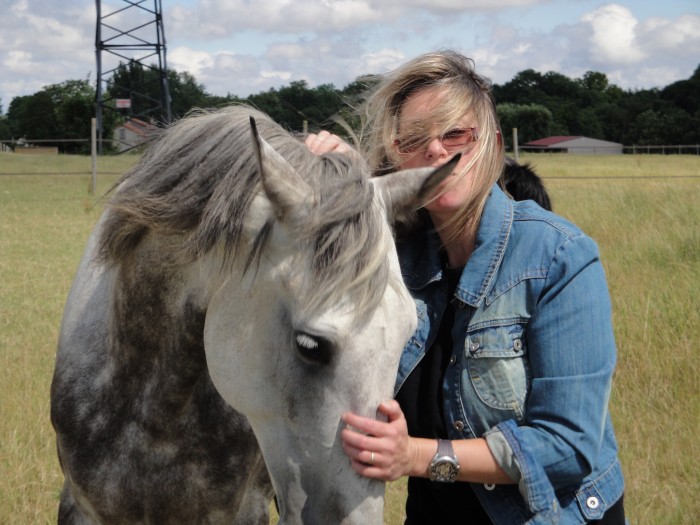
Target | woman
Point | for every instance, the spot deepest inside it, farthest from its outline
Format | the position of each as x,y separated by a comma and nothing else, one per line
501,411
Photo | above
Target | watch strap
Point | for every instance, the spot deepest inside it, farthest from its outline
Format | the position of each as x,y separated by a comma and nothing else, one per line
445,448
445,466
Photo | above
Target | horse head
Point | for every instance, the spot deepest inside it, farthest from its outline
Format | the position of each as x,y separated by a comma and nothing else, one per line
316,326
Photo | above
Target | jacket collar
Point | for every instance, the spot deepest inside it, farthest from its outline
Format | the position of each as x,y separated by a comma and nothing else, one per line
422,264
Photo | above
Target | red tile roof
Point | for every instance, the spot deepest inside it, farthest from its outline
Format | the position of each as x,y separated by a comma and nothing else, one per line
550,141
138,126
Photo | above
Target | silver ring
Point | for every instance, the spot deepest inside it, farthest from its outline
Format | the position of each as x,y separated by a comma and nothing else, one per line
371,458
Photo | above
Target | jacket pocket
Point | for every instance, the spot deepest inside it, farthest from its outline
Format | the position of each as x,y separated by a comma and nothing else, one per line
498,368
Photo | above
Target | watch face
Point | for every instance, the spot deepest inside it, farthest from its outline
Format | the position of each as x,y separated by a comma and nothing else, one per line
444,471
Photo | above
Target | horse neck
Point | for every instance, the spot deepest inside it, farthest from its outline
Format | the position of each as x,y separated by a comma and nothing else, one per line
157,323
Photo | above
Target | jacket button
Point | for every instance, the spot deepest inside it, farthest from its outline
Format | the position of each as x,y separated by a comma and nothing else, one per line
453,359
458,425
517,345
489,486
473,347
592,502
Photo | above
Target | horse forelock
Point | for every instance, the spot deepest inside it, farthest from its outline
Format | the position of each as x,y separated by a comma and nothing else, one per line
349,243
198,179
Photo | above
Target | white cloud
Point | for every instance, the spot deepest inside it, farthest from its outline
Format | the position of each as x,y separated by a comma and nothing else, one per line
285,53
42,45
459,5
20,62
212,19
187,59
243,47
47,34
379,61
239,74
663,36
215,19
614,38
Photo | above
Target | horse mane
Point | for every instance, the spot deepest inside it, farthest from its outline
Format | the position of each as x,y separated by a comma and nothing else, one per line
198,178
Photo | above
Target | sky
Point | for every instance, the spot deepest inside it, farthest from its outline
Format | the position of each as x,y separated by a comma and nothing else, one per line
241,47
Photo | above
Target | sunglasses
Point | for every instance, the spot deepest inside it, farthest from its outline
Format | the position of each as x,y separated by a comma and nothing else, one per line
453,140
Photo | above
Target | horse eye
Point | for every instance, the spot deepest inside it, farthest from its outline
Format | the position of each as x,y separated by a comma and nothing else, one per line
312,348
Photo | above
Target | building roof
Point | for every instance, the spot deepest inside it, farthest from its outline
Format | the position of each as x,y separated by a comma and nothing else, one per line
139,127
551,141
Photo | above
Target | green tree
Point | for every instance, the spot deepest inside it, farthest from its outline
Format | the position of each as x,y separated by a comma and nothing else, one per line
613,120
532,120
268,102
555,86
59,111
33,117
291,106
186,93
524,88
684,94
74,102
649,127
142,86
5,131
537,104
355,92
594,81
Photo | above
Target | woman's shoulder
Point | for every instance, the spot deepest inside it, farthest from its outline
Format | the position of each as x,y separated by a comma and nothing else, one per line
530,218
543,237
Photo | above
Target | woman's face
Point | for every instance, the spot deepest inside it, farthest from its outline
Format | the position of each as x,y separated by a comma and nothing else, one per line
416,114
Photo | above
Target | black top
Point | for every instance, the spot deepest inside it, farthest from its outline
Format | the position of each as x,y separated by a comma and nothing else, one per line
421,399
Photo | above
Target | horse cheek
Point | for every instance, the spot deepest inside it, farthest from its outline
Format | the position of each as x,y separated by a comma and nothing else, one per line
237,345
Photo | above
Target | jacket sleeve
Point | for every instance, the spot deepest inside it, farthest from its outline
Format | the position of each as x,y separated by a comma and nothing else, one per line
572,359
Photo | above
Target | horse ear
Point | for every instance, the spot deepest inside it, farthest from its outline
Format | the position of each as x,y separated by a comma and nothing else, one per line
282,184
406,190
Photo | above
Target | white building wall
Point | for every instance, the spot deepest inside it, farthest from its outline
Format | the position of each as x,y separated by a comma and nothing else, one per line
584,145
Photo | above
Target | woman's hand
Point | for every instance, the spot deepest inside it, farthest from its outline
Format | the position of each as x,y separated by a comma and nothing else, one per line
325,142
378,449
384,450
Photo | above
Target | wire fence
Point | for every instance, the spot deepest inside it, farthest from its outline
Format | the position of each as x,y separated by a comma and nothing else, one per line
37,145
47,146
635,149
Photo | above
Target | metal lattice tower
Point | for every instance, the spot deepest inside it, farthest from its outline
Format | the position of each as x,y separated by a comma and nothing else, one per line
132,36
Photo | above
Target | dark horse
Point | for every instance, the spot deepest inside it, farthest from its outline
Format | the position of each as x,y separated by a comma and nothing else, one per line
522,183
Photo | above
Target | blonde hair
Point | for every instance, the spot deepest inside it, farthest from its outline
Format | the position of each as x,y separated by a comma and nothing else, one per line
462,91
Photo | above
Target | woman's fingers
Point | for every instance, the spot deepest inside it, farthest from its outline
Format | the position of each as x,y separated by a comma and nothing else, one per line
391,409
366,457
377,449
325,142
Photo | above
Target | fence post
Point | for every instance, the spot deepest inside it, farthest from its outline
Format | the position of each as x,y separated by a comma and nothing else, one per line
516,153
93,148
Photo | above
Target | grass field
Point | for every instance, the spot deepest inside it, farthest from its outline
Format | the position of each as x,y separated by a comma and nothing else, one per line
644,212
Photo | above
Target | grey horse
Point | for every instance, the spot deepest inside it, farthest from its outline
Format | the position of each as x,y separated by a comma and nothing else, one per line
237,295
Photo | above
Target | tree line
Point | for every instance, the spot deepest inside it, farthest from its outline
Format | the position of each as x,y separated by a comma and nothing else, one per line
537,104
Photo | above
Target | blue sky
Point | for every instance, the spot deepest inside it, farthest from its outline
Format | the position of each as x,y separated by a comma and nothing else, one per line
244,46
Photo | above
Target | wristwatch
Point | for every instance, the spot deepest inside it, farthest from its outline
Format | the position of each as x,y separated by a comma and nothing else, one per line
444,466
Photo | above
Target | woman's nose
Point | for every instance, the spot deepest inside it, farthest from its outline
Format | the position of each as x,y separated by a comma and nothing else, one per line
435,149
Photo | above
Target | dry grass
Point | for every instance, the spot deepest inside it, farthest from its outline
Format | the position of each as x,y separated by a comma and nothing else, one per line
648,229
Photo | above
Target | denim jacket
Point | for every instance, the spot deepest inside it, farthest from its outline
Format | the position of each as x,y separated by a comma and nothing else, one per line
532,360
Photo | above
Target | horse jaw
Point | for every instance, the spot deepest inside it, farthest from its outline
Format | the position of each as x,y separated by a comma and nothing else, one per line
299,434
293,407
